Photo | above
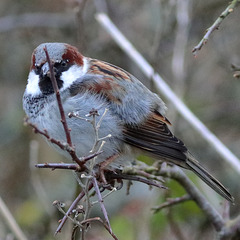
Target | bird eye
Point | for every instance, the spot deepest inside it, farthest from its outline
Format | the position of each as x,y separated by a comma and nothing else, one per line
37,69
64,63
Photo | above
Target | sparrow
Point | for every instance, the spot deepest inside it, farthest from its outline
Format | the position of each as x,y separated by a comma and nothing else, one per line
136,117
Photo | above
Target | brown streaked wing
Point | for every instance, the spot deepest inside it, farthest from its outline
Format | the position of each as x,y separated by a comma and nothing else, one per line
108,82
154,137
110,71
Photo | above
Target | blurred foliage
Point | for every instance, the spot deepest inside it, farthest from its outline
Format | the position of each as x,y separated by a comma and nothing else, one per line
28,213
123,227
208,88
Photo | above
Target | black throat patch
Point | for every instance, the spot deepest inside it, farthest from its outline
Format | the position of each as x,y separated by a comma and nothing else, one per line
45,84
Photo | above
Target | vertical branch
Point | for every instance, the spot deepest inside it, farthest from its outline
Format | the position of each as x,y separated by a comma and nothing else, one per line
59,101
61,110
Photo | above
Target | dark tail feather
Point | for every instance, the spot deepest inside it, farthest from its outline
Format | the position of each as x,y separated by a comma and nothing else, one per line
208,178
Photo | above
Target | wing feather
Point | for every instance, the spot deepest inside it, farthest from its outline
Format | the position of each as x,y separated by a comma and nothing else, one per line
155,137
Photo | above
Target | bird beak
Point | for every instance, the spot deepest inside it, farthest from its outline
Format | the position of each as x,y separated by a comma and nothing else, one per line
45,69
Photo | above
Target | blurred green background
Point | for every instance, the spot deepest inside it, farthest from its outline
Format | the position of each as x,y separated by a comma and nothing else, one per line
165,33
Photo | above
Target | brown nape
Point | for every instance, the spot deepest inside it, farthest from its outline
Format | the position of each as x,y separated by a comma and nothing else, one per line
73,55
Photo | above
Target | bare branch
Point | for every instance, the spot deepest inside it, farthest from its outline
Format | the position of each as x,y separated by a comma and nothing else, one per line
105,225
167,92
177,174
215,26
130,176
63,146
100,199
53,166
58,97
171,202
68,166
73,205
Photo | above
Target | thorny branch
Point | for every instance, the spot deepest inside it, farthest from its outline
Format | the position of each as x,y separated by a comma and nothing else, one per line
215,26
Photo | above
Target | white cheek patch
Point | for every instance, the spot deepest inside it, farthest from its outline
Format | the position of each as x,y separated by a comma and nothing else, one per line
32,86
68,77
71,75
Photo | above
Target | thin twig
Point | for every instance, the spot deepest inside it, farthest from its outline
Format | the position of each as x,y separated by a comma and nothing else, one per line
100,220
61,110
74,232
88,206
177,174
63,146
215,26
53,166
144,171
58,97
70,166
100,199
59,205
166,91
112,175
212,214
75,202
171,202
106,195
